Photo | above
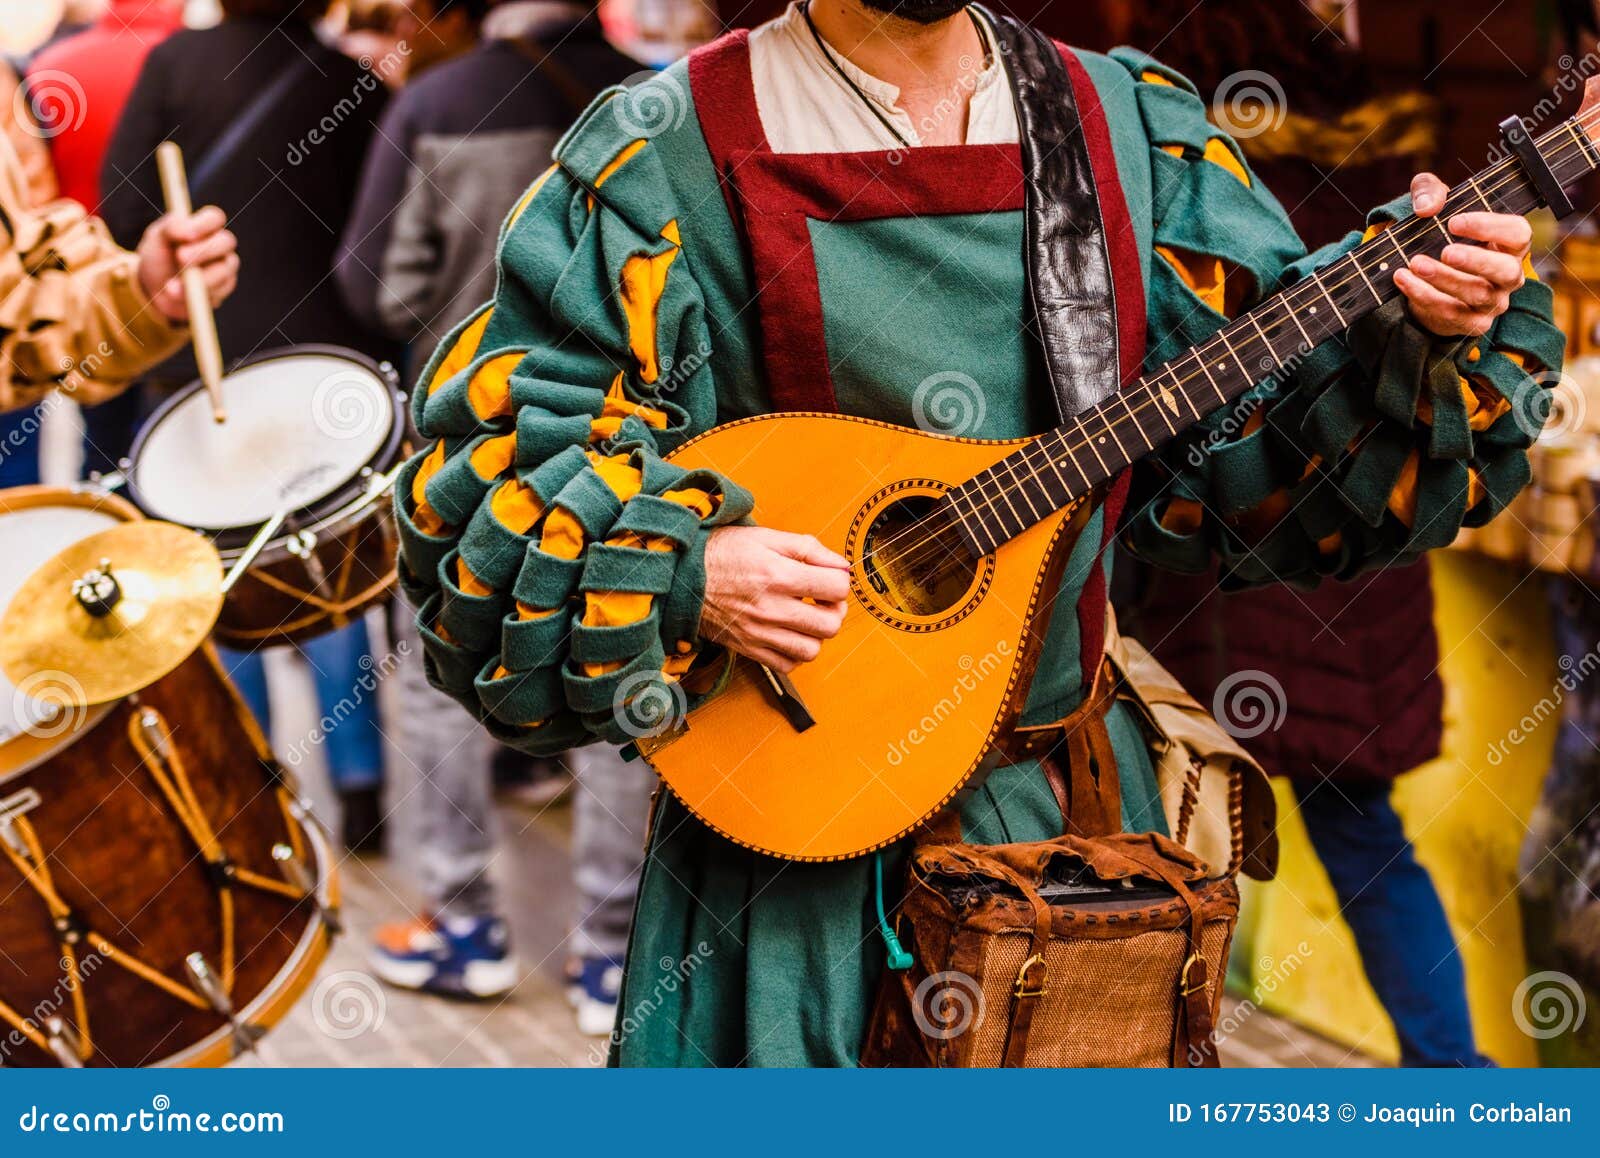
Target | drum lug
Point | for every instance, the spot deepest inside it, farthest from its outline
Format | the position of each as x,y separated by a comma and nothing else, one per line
205,980
65,1045
295,872
301,544
12,807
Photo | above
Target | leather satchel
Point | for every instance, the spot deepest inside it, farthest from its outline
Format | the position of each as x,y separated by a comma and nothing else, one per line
1095,948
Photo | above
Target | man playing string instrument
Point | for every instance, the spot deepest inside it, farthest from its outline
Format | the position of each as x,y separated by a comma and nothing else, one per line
848,209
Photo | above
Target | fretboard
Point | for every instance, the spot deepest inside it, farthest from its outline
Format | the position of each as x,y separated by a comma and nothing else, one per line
1070,461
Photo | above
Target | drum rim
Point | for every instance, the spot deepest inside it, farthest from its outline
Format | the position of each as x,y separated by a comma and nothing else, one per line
299,971
331,503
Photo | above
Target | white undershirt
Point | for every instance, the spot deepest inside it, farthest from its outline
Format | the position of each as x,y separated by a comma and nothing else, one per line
806,106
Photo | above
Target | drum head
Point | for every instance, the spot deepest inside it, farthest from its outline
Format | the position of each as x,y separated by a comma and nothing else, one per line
301,427
35,524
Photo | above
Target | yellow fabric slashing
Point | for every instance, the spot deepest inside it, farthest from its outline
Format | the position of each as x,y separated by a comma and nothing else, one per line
644,280
489,392
527,198
462,353
424,516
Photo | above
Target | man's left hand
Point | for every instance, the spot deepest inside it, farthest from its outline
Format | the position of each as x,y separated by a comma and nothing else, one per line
1469,286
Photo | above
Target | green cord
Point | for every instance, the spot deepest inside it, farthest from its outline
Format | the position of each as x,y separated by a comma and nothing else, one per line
898,957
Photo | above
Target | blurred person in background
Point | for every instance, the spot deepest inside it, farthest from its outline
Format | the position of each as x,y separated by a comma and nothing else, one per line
455,151
273,124
1358,661
434,31
90,75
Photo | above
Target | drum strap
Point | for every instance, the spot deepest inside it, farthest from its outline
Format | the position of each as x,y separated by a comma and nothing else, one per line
339,608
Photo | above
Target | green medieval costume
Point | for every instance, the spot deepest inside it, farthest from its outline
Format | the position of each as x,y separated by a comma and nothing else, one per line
553,555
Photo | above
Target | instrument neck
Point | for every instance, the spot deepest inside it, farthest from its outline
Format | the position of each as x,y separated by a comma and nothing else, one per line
1268,342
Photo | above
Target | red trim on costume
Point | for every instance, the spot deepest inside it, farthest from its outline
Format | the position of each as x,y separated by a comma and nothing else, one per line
775,196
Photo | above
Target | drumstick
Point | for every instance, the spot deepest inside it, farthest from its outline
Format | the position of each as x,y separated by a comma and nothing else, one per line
202,324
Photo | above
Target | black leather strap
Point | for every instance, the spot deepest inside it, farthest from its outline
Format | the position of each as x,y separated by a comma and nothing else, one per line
1069,265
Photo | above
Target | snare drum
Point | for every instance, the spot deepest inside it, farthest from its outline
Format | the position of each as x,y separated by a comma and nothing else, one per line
313,437
165,899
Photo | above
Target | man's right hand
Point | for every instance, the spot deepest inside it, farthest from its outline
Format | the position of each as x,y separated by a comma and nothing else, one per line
758,584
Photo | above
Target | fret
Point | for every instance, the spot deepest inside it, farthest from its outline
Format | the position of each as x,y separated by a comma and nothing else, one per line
1317,280
1272,351
1138,427
1089,442
1177,384
1022,481
1473,181
1199,356
954,497
1355,260
1050,461
1004,492
1405,258
1294,316
1111,428
1238,362
1161,409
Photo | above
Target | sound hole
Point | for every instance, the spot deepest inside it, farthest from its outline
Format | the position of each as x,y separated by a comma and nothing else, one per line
914,560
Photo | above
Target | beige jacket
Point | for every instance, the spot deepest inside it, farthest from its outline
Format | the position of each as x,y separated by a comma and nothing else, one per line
72,313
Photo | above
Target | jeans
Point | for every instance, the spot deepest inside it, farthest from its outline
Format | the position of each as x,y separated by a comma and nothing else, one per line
1393,909
444,785
347,701
19,447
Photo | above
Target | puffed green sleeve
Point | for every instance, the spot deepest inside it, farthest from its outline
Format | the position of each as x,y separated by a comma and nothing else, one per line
554,557
1378,446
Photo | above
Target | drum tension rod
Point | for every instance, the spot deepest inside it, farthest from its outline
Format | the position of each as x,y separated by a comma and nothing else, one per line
205,980
295,872
64,1044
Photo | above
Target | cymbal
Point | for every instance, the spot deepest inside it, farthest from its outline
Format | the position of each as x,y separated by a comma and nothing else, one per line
115,612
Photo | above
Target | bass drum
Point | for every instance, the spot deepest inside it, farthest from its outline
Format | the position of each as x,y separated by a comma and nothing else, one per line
165,898
314,434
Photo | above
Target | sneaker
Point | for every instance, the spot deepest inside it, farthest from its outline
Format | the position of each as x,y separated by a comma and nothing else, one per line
593,986
451,956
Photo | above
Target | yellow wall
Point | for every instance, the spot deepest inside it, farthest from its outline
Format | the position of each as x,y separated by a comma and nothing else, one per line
1465,815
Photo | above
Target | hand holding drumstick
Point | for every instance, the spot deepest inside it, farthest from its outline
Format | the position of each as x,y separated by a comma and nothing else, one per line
189,263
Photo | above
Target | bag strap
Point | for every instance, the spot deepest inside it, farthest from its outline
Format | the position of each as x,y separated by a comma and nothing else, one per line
575,92
1193,1031
248,119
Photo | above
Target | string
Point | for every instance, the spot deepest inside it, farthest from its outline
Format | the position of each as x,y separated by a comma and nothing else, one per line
1418,226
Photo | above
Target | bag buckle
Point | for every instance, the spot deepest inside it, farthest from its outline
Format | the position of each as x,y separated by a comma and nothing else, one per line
1185,986
1025,986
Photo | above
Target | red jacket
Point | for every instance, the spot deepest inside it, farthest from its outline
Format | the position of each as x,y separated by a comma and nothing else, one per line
84,80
